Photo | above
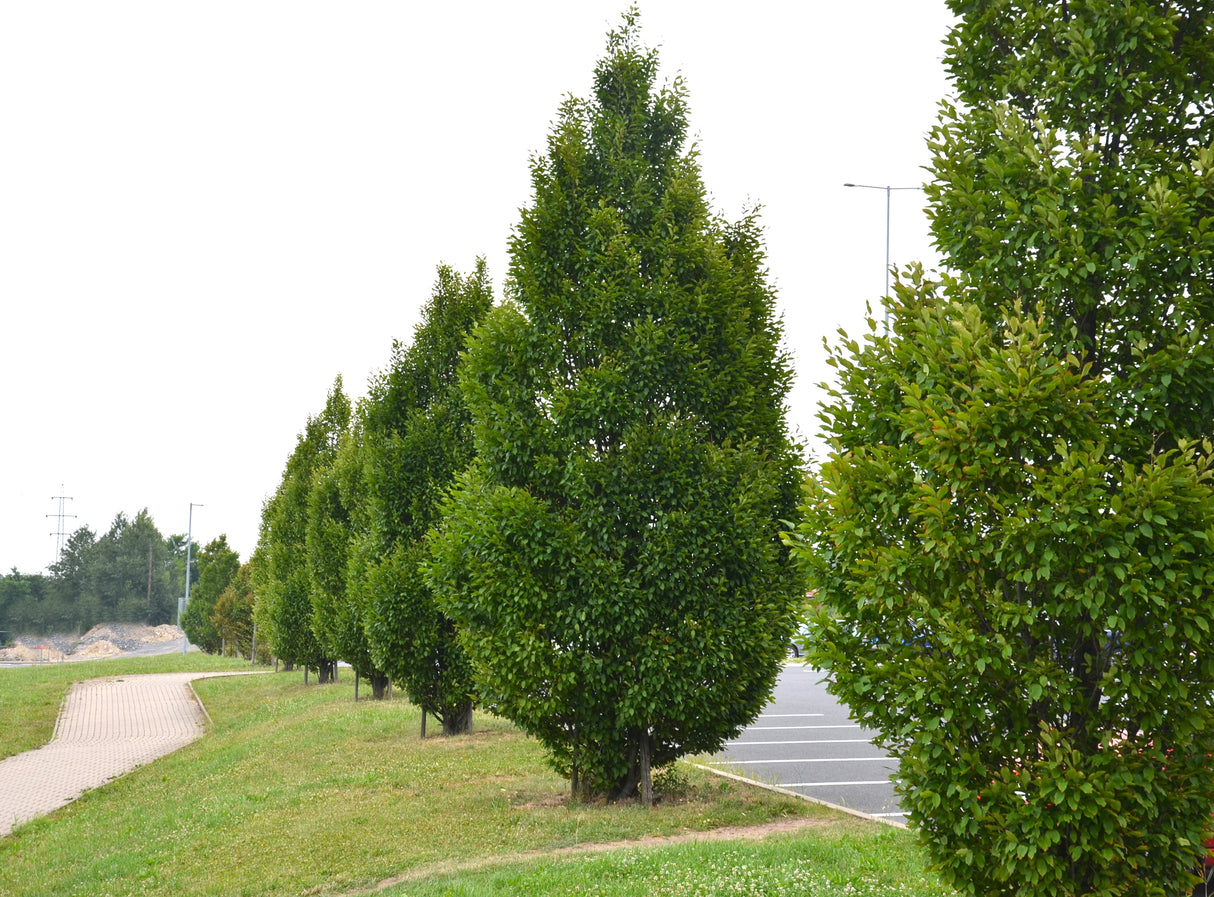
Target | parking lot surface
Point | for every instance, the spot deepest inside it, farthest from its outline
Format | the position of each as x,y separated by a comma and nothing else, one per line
806,743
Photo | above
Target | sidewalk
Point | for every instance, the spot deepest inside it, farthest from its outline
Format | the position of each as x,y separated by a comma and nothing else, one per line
106,728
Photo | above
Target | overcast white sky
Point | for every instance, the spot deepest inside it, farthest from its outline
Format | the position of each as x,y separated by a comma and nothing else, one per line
208,210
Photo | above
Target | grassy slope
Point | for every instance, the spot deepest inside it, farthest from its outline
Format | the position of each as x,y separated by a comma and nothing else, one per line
300,790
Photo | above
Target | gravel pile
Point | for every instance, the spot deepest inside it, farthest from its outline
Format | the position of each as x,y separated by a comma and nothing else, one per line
127,636
61,643
41,652
106,640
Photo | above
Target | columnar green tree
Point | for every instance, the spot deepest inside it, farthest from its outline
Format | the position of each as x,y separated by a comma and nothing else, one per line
1023,617
281,573
217,565
233,614
612,557
335,520
417,438
1011,539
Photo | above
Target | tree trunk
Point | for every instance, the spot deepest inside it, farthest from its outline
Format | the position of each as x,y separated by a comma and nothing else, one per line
627,788
639,777
326,671
458,720
646,780
423,722
379,686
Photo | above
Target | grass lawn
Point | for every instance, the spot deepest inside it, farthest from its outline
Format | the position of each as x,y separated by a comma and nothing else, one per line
299,790
821,863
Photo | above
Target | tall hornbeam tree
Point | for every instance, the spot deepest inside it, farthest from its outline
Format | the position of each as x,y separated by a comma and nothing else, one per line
217,565
1011,539
281,570
416,438
612,557
336,515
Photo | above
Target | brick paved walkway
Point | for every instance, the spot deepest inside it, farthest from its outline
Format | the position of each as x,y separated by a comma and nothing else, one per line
106,728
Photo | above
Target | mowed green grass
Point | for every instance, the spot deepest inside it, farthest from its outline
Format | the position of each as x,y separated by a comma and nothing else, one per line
299,790
819,863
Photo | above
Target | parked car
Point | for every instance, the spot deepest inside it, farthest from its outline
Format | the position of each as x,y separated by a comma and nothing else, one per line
1205,888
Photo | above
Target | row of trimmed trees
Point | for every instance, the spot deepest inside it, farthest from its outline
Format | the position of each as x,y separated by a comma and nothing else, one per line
1012,537
565,508
338,562
574,522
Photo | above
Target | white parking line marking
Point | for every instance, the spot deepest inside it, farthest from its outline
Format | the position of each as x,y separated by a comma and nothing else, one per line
787,715
813,760
773,728
823,741
834,784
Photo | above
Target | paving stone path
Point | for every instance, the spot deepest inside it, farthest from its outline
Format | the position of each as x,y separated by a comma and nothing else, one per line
106,728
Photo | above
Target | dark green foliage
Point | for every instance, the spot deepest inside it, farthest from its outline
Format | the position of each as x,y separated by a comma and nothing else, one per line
1076,170
25,605
1012,537
233,615
416,439
1023,617
130,574
335,519
72,588
281,573
612,556
101,580
121,572
217,566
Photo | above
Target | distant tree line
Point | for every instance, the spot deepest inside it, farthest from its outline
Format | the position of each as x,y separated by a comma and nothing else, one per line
131,573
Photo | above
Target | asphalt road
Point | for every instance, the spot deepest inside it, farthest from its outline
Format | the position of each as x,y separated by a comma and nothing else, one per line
805,742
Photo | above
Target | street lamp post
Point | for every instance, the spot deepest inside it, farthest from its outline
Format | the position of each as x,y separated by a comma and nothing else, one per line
888,190
189,543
